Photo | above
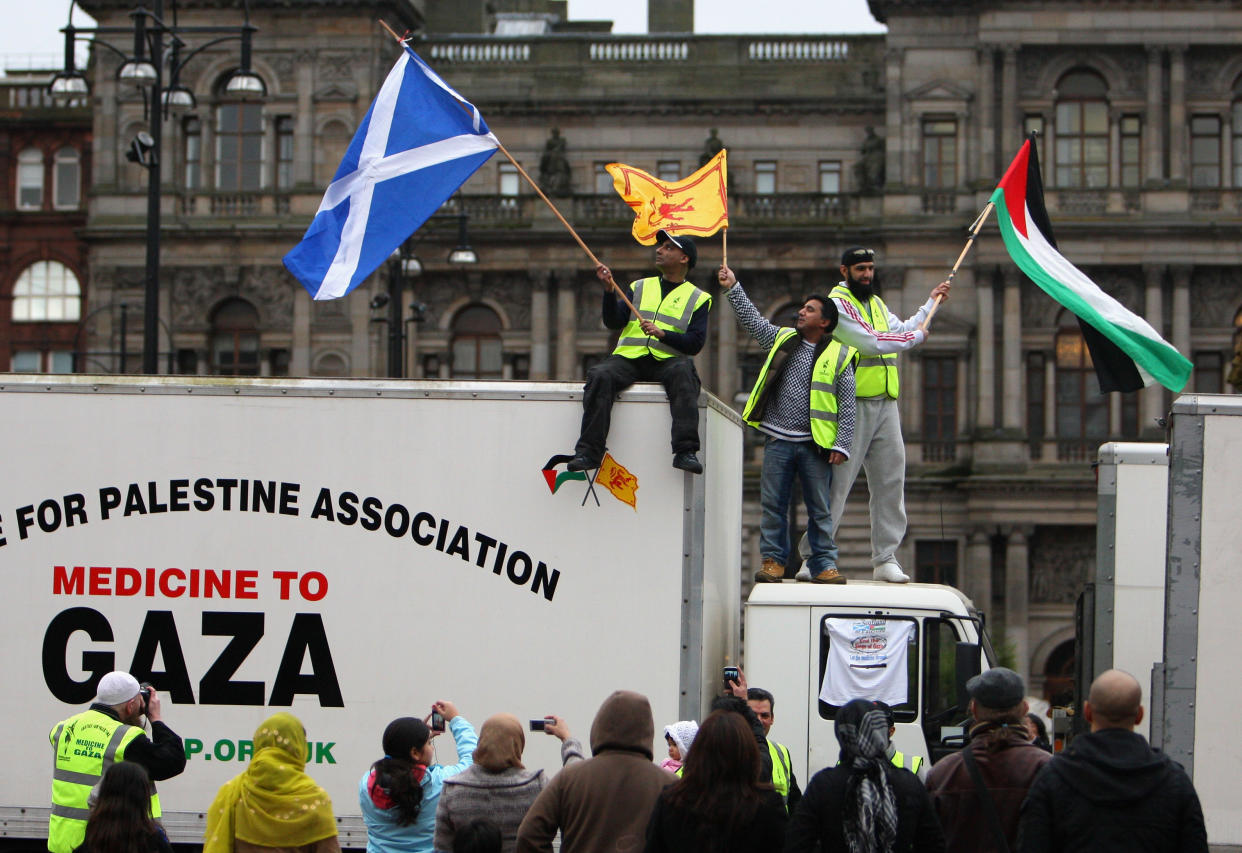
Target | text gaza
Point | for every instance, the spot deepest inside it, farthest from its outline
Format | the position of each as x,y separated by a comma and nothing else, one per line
159,637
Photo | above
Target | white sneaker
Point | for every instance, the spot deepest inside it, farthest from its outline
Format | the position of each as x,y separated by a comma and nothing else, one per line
891,572
803,575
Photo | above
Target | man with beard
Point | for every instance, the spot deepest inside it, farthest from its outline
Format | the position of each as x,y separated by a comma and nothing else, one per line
868,326
87,744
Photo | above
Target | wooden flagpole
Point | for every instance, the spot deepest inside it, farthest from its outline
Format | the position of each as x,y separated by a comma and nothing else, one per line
975,228
724,247
548,201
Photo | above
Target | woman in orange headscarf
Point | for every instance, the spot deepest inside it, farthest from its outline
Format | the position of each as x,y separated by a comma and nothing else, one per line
273,805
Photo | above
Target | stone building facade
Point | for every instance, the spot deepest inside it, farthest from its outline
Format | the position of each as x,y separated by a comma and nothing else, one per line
893,141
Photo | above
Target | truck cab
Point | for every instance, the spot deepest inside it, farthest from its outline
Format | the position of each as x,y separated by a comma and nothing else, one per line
938,636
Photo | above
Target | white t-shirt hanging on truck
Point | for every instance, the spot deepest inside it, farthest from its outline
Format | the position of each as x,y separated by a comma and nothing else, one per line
866,660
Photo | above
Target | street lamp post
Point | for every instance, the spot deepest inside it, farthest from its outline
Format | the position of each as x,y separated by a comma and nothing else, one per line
144,68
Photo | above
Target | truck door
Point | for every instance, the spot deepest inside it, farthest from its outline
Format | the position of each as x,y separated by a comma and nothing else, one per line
950,659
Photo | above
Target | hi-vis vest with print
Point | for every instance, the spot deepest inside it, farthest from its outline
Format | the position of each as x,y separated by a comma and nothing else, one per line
781,770
875,375
899,760
823,390
671,313
85,746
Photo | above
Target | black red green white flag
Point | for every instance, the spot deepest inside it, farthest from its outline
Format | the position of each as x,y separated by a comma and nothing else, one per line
1126,351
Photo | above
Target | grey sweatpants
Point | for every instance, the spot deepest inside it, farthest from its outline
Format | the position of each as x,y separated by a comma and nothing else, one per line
879,450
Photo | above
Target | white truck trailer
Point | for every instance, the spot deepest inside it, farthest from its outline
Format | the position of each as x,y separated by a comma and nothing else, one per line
349,551
1165,600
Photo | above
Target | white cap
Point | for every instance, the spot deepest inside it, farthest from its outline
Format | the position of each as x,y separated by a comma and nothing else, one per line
117,688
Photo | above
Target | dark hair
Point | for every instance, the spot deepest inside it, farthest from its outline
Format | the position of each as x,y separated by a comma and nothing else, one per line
1041,731
395,771
478,836
121,820
720,784
827,307
758,694
888,712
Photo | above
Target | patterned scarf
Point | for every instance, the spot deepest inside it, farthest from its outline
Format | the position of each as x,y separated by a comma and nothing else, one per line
870,810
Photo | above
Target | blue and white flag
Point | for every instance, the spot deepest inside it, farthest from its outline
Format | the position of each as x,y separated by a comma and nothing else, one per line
415,147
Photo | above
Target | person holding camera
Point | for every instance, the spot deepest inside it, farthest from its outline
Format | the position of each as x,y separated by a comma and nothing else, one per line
803,401
498,786
87,744
401,791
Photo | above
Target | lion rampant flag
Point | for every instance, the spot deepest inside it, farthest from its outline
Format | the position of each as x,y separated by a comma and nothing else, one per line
697,206
617,479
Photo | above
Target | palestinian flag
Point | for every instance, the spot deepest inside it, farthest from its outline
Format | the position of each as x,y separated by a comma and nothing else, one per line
1127,352
555,478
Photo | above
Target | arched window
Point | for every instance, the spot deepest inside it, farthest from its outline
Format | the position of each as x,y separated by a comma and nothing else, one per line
67,179
235,339
30,179
47,291
1082,411
330,364
239,143
1082,130
477,349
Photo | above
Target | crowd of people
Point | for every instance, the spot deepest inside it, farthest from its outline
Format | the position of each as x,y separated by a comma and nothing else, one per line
725,787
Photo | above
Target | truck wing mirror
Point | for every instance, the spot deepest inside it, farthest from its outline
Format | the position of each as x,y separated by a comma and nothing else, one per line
968,660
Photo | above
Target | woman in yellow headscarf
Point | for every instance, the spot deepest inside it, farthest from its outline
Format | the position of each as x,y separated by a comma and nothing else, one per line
273,804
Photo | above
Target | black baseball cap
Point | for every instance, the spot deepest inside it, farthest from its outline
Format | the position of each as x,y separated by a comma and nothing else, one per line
857,255
686,244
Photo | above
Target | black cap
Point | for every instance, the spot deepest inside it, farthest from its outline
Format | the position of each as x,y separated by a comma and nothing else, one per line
857,255
998,688
686,244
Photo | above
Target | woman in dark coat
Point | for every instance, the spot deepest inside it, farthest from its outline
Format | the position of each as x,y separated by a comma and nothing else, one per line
719,805
864,804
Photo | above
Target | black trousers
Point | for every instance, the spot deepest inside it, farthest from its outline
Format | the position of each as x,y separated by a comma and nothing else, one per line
616,373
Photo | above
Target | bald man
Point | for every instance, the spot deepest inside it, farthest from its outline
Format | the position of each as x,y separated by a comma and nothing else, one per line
1109,790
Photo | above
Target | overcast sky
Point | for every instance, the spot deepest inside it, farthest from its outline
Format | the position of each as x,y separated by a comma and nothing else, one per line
30,34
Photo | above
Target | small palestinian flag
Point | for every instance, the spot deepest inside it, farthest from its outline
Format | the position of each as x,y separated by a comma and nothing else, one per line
1126,351
555,478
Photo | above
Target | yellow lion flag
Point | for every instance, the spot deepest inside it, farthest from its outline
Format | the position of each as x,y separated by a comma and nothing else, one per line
617,479
697,205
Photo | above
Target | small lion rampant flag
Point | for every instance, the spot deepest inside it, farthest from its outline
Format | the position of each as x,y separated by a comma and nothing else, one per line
617,479
697,206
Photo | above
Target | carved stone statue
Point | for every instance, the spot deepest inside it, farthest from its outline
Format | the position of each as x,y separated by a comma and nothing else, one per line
554,172
711,148
869,170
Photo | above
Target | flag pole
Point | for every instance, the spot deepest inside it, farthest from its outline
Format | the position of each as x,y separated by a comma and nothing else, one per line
724,247
548,201
975,228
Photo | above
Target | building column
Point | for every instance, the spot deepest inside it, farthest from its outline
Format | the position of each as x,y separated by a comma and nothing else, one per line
1011,350
1226,160
986,417
1009,100
894,155
304,138
539,347
1181,307
984,118
1114,147
1017,597
978,578
726,348
1177,114
1153,130
1153,312
1050,395
910,406
300,345
566,330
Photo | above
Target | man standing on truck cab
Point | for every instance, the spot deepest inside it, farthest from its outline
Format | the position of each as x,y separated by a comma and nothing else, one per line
868,326
87,744
1110,791
1006,763
783,778
656,347
803,401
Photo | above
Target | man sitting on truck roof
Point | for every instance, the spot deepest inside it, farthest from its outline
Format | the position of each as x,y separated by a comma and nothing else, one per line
1110,791
803,401
655,347
1006,761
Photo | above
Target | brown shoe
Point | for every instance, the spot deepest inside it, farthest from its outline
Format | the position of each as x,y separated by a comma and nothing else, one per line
771,572
830,575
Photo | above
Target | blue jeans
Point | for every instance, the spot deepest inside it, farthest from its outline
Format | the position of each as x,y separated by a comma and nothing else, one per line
782,460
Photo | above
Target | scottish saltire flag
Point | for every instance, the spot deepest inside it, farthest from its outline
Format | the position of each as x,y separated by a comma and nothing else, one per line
1126,351
419,142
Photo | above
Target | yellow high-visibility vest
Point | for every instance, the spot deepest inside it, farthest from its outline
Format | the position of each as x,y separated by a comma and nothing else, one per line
85,746
671,313
875,375
782,770
899,760
823,389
